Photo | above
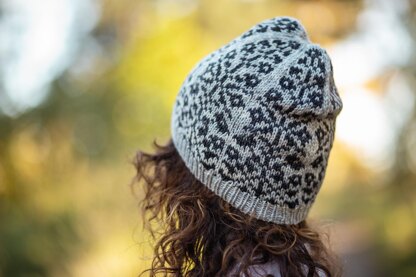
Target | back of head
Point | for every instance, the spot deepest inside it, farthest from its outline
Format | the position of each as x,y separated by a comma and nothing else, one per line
252,129
254,121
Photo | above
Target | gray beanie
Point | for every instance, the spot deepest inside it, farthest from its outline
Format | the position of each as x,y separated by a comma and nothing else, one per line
254,121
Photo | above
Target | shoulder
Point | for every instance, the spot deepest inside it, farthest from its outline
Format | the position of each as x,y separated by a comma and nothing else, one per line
271,268
259,270
267,269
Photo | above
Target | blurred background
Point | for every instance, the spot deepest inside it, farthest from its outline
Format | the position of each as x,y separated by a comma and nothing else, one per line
86,83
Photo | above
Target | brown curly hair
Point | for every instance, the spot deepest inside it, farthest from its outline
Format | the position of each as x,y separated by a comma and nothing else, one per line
199,234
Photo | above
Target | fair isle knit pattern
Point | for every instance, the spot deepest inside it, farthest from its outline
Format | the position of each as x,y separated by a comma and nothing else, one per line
254,121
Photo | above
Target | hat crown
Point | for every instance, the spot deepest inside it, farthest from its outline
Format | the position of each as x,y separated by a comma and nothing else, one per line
278,26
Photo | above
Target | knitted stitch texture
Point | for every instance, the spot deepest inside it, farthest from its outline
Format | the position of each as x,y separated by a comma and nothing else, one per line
254,120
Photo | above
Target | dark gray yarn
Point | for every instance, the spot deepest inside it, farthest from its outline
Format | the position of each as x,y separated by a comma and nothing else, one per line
254,121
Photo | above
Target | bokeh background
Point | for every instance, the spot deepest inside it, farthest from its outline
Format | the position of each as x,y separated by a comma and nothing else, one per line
86,83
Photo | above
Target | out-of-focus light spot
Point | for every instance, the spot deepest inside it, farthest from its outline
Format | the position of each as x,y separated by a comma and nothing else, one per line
107,258
381,43
41,39
362,125
30,148
399,101
370,123
89,64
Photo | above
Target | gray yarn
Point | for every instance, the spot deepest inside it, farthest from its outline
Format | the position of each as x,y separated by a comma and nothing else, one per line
254,121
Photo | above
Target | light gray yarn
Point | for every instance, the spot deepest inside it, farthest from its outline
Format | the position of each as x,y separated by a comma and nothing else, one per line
254,121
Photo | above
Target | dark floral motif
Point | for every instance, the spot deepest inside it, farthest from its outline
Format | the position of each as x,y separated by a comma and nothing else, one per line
249,47
286,83
256,115
294,162
221,123
265,67
236,100
249,80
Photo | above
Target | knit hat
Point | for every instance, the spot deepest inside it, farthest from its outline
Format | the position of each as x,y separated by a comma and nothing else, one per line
254,121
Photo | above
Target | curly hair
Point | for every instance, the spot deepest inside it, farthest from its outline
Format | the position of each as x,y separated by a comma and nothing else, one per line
199,234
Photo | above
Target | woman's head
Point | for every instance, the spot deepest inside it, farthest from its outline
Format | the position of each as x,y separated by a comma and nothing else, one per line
200,234
254,121
252,129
